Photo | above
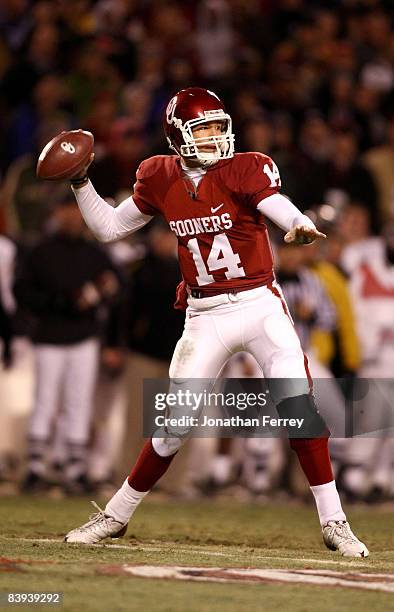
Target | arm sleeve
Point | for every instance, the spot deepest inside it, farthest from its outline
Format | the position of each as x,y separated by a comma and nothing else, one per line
283,212
108,223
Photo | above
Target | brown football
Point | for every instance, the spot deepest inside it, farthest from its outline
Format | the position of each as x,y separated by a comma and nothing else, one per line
65,155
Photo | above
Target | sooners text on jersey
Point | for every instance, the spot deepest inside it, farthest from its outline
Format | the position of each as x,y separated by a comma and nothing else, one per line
222,238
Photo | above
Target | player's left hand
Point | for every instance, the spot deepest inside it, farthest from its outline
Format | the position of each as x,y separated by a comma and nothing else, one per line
303,234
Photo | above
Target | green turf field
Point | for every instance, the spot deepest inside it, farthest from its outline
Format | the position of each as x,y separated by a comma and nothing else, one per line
209,534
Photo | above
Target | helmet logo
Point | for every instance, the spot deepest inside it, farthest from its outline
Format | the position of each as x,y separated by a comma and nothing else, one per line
171,109
170,113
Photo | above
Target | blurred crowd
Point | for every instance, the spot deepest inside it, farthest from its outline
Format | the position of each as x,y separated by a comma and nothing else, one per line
310,83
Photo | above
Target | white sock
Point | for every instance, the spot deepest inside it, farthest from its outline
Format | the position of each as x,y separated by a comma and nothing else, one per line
122,505
328,503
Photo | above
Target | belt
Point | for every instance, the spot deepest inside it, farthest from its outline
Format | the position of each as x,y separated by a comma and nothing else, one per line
200,293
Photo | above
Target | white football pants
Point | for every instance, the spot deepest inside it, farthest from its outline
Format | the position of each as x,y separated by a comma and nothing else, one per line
66,373
255,321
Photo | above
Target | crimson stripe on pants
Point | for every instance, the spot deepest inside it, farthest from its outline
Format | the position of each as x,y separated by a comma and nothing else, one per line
312,453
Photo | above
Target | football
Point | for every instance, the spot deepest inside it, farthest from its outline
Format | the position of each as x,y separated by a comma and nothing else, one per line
65,155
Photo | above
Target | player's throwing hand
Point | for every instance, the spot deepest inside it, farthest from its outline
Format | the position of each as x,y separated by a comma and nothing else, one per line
302,234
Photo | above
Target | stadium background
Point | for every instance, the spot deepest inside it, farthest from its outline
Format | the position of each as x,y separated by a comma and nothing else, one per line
309,83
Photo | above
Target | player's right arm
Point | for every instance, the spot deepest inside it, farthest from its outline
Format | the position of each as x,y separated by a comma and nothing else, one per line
106,222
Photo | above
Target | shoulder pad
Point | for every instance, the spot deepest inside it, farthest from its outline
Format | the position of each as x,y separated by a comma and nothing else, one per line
251,157
151,166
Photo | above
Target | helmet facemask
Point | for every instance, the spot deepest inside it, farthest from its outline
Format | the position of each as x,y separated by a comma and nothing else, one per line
224,143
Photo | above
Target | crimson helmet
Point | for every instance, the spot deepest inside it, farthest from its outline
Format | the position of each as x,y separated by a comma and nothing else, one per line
190,108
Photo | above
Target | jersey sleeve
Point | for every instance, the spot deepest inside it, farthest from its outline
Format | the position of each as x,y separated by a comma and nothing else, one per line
144,193
260,179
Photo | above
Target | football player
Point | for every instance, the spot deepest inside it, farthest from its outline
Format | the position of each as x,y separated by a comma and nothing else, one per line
215,201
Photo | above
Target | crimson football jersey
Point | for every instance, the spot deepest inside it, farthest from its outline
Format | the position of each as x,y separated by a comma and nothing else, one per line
222,238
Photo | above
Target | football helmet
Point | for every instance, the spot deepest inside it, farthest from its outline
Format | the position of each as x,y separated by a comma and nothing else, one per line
190,108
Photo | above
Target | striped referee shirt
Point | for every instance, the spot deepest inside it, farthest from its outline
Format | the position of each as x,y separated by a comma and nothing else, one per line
303,290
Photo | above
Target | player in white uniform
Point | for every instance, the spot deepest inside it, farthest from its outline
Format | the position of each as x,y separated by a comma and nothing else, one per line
214,201
370,458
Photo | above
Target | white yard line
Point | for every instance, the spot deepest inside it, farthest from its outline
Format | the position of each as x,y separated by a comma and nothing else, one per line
195,551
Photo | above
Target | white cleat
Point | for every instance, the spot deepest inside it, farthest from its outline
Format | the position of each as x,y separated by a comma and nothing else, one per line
98,527
337,535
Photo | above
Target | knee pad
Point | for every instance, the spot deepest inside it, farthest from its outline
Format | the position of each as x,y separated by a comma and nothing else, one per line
302,409
182,362
166,446
282,388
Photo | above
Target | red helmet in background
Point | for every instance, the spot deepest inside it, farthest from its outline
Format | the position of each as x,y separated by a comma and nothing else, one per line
190,108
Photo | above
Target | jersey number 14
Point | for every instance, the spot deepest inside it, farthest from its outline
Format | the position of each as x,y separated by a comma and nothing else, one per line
220,257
